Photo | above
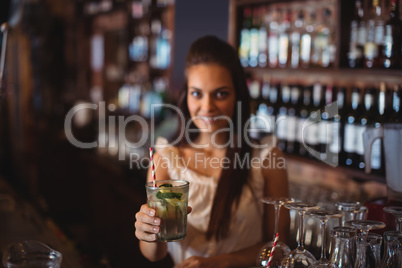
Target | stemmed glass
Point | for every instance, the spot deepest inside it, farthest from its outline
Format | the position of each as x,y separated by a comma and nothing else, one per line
348,210
299,257
397,212
323,215
365,226
281,249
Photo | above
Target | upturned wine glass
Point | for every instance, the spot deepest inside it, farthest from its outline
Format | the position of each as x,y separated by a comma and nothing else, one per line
281,249
299,257
364,226
397,212
323,215
348,210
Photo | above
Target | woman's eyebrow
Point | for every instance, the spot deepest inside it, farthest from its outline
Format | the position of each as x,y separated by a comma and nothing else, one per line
217,89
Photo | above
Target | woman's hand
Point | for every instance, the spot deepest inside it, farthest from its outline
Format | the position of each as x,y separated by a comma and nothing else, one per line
201,262
147,225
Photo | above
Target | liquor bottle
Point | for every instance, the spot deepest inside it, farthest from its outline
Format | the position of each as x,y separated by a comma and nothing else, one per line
273,40
312,135
306,40
296,30
303,114
336,154
284,33
378,157
375,37
361,37
254,35
265,118
355,54
324,124
392,38
244,48
369,119
263,38
255,90
272,104
396,112
350,131
291,119
281,118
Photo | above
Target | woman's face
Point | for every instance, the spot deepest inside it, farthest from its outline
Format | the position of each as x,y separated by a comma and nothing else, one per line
211,96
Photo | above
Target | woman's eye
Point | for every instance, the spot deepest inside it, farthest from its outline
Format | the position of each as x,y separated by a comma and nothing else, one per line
222,94
195,94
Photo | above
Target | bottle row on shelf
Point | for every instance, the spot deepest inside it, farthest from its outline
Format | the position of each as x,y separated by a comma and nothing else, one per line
152,37
324,122
288,35
305,34
375,35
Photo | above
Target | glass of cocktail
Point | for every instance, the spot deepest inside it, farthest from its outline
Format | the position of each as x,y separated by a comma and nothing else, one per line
169,198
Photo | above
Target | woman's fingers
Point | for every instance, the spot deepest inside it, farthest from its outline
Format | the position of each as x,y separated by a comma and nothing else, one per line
189,209
146,224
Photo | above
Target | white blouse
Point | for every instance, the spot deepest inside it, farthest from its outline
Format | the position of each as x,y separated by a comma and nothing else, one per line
245,228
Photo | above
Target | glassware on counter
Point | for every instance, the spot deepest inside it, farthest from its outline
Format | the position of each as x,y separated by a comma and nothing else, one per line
299,257
343,247
31,253
348,210
362,260
281,249
397,212
323,215
392,249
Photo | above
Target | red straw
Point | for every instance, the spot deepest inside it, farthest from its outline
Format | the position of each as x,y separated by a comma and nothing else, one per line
273,249
152,164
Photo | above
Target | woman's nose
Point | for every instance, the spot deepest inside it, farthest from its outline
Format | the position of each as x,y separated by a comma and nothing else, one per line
208,103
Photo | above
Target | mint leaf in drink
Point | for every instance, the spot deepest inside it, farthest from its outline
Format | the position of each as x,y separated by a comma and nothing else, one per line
168,195
166,185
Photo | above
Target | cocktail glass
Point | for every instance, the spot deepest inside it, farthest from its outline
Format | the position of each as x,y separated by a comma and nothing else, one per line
364,226
299,257
281,249
397,212
169,198
323,215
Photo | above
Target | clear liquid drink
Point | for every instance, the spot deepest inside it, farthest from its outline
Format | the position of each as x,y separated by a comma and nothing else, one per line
169,198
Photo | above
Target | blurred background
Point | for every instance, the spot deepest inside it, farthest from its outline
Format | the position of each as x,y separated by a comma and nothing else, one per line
116,57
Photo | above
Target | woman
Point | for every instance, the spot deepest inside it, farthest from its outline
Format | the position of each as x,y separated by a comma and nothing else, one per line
228,224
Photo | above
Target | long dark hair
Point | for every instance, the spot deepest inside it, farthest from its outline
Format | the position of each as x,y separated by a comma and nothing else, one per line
210,49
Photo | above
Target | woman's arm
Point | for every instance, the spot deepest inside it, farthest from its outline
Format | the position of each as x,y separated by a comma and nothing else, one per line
147,225
276,185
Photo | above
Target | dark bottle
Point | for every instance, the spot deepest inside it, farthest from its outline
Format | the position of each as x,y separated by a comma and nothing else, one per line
355,54
244,49
254,35
324,124
370,119
396,112
336,153
392,38
265,119
303,114
350,131
291,119
313,131
281,118
262,38
375,37
272,104
254,88
296,30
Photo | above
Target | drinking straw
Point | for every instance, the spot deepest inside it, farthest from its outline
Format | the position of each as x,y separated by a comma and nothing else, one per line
152,165
273,249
